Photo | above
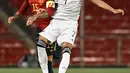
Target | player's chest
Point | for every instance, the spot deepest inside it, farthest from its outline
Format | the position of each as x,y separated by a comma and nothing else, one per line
37,2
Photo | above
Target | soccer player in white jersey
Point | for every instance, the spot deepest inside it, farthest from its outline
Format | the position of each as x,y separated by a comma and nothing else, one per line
63,29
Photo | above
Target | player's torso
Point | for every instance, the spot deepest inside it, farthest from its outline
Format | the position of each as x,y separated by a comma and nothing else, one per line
35,5
68,9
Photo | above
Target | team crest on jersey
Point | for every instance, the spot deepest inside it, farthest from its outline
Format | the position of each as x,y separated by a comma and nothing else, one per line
50,4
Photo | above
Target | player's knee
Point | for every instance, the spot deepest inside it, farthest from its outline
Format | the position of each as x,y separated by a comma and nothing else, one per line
41,43
66,50
66,44
44,39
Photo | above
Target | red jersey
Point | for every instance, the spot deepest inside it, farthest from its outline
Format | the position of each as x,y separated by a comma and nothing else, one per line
35,5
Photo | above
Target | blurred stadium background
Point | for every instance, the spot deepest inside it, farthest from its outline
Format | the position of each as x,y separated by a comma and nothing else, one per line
102,44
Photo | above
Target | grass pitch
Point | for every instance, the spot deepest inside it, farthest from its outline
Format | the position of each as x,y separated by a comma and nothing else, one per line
70,70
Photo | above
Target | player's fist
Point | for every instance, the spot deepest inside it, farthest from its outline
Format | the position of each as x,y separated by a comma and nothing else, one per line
118,11
31,20
11,19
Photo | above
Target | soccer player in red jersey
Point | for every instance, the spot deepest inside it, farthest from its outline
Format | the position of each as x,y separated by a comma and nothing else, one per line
42,11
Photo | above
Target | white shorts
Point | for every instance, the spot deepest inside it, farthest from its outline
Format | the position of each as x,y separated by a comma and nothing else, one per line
60,31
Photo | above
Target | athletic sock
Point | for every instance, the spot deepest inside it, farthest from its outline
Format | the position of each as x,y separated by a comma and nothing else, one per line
42,56
64,62
50,67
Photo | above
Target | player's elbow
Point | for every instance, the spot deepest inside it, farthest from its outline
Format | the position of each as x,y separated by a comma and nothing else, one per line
50,11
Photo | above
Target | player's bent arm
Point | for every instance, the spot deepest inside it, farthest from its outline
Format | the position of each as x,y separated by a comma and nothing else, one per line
42,13
23,8
20,12
104,5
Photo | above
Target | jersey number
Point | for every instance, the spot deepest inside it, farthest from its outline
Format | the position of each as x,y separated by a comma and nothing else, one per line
65,1
73,33
35,7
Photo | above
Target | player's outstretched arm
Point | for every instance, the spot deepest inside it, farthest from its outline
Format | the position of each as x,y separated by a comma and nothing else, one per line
41,13
20,12
104,5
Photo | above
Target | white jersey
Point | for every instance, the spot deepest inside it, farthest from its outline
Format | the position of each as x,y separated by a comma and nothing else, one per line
68,9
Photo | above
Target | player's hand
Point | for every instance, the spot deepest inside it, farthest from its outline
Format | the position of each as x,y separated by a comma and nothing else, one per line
11,19
117,11
31,20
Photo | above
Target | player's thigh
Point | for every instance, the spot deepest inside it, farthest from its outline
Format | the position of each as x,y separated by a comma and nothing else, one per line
50,33
67,37
38,37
